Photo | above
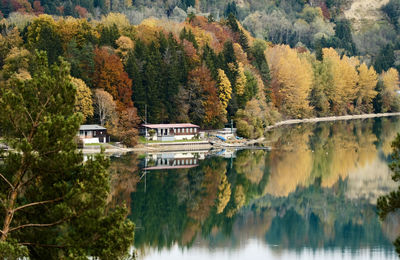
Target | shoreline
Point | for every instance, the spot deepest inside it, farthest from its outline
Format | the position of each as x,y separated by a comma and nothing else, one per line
142,148
329,119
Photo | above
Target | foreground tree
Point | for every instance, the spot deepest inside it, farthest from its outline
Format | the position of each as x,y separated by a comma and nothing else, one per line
391,203
53,206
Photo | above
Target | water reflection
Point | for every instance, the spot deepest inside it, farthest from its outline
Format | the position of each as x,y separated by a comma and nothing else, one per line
314,193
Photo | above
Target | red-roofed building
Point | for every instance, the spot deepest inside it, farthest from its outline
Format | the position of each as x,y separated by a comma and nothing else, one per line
169,132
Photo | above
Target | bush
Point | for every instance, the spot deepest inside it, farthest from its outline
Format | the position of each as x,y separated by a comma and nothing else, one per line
243,129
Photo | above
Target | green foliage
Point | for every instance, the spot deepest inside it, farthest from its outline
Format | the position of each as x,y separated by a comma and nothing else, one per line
391,202
392,10
81,61
57,203
232,23
231,10
109,35
385,59
187,3
12,250
260,62
158,71
188,35
42,35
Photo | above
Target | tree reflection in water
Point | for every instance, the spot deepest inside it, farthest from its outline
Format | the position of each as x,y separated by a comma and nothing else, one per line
306,192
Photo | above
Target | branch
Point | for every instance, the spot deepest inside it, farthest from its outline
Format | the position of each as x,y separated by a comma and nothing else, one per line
3,203
38,203
41,245
5,179
38,225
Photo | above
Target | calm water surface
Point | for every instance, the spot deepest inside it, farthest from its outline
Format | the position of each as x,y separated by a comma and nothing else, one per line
313,196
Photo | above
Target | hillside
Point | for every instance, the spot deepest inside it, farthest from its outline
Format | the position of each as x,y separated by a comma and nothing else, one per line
201,69
365,11
372,26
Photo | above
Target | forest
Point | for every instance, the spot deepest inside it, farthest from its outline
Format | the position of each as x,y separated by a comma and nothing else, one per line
204,69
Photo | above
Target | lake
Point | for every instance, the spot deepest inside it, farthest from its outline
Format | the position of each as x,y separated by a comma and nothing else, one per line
312,196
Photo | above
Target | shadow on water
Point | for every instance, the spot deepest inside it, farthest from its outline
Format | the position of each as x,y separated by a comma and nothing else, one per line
316,189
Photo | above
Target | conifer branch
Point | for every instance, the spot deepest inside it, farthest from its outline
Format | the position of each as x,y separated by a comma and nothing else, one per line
5,179
38,203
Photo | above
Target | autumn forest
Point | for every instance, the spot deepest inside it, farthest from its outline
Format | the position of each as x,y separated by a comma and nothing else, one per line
200,70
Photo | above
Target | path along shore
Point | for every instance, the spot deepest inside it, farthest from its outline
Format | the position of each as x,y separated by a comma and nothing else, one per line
330,118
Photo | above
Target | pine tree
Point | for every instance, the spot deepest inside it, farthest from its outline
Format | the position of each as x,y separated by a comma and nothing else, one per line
385,59
260,62
232,22
54,204
151,81
243,41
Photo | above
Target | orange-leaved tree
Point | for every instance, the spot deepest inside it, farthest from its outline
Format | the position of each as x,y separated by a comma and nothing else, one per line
109,75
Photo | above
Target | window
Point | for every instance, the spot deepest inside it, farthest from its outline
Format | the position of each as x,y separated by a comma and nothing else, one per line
191,130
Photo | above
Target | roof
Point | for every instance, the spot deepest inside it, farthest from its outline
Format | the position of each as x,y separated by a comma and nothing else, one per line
169,125
91,127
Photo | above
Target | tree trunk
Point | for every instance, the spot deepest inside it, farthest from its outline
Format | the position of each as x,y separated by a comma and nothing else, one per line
9,215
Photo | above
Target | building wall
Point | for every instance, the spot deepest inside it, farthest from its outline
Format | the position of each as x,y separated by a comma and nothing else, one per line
182,137
90,140
93,136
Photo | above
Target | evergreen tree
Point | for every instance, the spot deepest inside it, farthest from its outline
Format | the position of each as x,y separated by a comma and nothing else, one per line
385,59
54,205
81,60
151,81
184,4
109,35
243,41
231,9
378,100
232,22
260,62
343,36
189,36
211,60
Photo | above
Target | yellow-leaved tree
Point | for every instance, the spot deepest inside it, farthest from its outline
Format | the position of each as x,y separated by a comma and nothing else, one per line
224,89
240,80
292,79
367,79
125,44
390,98
224,193
390,80
83,101
345,77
